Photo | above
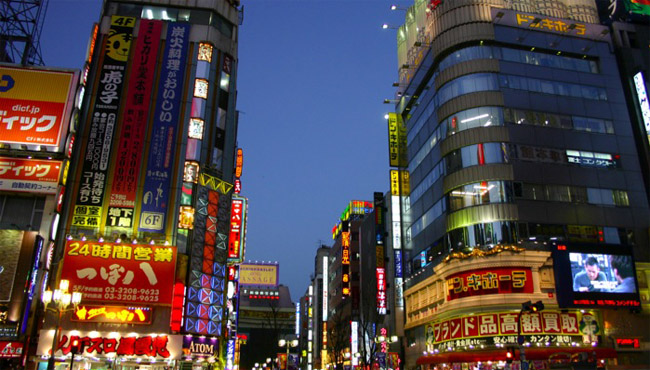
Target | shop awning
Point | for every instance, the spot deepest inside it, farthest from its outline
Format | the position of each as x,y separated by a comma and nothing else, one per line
500,355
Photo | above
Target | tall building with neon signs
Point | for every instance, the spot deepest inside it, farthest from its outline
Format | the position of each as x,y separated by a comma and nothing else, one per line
146,220
514,172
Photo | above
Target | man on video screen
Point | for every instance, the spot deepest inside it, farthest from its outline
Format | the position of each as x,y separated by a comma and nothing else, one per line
624,274
583,281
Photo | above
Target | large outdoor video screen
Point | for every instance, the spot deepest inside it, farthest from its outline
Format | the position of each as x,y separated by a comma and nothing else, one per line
600,276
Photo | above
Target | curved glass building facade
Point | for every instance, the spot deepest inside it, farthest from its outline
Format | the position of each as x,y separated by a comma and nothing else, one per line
518,141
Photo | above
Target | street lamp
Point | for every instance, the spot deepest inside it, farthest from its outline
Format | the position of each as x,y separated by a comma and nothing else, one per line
288,344
531,308
388,340
60,300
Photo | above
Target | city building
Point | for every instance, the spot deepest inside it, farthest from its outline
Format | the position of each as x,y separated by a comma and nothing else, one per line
39,116
343,286
524,170
144,260
314,345
266,315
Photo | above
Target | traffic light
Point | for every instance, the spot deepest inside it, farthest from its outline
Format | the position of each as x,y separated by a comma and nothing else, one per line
510,355
532,307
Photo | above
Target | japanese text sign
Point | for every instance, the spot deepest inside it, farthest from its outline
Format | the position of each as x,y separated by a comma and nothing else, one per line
34,105
103,120
94,343
400,182
544,323
128,273
29,175
135,116
11,349
237,229
543,23
396,141
381,291
489,281
163,133
112,314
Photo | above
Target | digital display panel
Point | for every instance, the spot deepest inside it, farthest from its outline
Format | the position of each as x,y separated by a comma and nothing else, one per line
601,275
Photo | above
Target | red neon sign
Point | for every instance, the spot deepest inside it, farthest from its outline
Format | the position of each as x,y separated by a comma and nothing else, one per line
628,342
236,219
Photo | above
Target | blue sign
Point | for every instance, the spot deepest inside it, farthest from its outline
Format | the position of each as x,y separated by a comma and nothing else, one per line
398,263
163,136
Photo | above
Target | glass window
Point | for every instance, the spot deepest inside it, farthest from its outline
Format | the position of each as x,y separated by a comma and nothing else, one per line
202,69
558,193
198,107
611,235
478,193
473,155
620,198
594,196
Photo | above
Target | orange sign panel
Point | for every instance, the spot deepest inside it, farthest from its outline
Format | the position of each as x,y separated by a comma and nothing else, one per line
34,105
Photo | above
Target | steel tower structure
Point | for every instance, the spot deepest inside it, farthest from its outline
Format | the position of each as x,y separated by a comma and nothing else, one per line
21,22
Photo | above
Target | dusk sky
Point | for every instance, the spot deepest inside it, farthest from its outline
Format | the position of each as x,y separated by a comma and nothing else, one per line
312,77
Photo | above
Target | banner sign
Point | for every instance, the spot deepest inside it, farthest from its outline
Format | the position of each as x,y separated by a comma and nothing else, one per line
136,114
502,328
381,291
400,182
200,346
160,163
102,343
39,176
34,105
112,314
254,274
489,281
11,349
505,17
128,273
87,210
396,141
237,229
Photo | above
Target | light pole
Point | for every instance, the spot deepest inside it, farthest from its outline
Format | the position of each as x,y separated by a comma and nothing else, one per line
288,344
60,300
531,308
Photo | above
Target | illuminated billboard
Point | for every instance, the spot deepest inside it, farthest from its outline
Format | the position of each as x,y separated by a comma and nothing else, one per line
641,7
40,176
601,275
396,141
103,117
35,105
112,314
259,274
128,155
113,344
237,239
127,273
497,328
